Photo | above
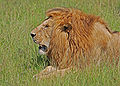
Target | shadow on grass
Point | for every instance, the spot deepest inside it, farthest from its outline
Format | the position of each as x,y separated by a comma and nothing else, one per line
41,60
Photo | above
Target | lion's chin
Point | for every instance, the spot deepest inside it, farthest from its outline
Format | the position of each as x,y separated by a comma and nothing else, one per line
41,52
42,49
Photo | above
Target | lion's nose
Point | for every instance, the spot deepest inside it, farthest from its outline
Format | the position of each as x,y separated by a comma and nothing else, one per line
33,34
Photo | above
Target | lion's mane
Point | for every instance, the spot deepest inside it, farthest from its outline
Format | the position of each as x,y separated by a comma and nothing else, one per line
86,36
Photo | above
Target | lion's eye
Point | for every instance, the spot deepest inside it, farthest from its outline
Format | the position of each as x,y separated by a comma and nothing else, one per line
46,26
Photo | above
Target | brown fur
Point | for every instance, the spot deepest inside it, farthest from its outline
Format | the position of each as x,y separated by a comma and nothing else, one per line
76,38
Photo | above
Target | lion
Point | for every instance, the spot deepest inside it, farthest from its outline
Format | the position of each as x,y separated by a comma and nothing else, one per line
71,38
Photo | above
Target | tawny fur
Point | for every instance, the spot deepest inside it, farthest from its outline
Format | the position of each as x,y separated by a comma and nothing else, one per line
76,39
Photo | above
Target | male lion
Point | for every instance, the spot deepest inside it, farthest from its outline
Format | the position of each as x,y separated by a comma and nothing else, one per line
71,38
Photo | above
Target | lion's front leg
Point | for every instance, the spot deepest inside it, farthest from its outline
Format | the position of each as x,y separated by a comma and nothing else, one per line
45,72
50,72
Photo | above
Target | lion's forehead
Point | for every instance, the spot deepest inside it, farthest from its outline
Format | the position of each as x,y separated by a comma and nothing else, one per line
45,22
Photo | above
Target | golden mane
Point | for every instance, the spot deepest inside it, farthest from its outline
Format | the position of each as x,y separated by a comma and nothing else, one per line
70,38
88,35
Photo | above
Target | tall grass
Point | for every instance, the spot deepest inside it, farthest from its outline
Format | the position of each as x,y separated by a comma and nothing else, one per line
19,59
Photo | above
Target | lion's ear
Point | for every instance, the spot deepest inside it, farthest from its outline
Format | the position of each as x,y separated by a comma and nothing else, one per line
66,27
57,11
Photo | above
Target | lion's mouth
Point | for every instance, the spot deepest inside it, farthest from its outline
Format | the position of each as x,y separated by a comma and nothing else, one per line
42,49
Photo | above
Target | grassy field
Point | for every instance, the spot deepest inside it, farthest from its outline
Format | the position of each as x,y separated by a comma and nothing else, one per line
19,58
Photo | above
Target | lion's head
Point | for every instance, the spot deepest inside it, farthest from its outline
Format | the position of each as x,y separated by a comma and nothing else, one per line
41,34
68,34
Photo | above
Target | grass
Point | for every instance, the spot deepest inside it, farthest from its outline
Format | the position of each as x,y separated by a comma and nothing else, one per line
19,59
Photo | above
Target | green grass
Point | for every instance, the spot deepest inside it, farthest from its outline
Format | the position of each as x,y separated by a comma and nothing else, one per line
19,59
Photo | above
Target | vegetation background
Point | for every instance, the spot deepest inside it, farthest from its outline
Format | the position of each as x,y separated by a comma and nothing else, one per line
19,59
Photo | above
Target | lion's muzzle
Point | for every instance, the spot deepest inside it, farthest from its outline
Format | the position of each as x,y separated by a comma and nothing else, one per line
42,47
